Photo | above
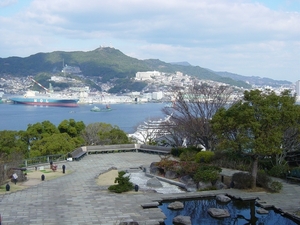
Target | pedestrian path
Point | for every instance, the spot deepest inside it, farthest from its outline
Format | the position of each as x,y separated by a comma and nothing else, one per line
76,198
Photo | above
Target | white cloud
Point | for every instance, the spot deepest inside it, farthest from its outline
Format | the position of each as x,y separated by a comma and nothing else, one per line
5,3
234,35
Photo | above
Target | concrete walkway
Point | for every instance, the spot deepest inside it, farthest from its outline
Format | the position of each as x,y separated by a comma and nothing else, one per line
77,199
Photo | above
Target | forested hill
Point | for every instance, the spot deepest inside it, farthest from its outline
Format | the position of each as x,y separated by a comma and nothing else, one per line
107,63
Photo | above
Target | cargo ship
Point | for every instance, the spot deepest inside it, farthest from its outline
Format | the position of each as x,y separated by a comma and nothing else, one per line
47,99
33,98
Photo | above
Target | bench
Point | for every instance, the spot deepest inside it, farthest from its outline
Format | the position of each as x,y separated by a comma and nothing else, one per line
153,149
78,154
111,148
294,174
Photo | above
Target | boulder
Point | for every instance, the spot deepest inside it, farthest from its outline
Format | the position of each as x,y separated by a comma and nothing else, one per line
171,174
204,185
190,184
21,176
223,198
182,220
218,213
186,179
219,185
176,205
262,211
154,182
154,169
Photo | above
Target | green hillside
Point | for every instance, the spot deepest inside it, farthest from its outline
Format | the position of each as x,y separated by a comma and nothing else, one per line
107,63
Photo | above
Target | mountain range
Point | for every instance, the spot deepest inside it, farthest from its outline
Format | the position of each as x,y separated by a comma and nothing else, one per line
110,64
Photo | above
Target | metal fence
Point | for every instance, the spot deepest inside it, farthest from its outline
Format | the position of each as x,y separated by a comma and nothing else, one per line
44,159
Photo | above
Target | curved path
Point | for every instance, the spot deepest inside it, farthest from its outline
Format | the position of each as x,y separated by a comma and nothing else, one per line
76,199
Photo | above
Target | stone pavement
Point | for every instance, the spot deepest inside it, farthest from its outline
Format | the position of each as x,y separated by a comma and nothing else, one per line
77,199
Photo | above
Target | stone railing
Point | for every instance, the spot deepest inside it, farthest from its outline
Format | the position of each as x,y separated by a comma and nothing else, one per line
128,148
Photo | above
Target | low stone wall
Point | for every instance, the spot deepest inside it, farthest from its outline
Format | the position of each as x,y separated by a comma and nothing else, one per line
179,184
127,147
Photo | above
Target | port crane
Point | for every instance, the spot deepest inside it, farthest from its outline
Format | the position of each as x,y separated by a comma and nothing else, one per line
46,89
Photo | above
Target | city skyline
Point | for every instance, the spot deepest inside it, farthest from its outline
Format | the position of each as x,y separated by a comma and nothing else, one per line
250,38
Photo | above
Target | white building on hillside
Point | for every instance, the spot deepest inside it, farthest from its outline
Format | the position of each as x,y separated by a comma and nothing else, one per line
149,75
298,88
157,95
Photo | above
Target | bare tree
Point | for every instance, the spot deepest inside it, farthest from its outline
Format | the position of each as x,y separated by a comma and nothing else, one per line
14,160
193,109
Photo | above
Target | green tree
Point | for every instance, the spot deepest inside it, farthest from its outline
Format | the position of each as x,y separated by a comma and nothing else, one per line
10,142
115,136
109,135
256,125
60,143
123,185
104,134
37,132
71,127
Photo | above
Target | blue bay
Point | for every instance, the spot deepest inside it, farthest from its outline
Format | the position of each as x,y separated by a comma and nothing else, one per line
126,116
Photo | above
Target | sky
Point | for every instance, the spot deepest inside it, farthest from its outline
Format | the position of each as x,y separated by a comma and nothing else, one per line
246,37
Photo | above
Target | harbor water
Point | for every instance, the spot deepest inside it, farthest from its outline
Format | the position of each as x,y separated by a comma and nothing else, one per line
126,116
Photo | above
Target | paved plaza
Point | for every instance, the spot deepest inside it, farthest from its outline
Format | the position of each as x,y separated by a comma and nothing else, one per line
77,199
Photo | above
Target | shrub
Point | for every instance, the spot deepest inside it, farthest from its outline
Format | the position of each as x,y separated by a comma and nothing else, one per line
232,160
278,171
206,176
242,180
205,156
177,151
209,167
167,164
242,166
275,186
262,179
188,155
207,173
123,185
187,168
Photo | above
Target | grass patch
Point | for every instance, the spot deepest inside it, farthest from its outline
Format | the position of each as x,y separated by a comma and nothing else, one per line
13,188
46,171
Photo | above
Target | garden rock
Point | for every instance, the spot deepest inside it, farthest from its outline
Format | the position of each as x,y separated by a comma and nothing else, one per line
182,220
171,174
154,169
21,176
219,185
186,179
204,185
262,211
218,213
190,184
223,198
154,182
176,205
